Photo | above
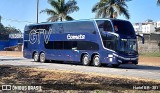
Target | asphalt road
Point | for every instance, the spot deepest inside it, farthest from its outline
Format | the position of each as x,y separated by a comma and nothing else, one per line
138,71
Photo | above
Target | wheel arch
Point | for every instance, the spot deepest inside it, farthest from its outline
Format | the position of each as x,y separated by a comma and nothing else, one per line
94,55
41,52
83,55
34,53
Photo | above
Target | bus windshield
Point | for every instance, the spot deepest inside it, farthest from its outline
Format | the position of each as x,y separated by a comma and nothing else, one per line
128,46
123,27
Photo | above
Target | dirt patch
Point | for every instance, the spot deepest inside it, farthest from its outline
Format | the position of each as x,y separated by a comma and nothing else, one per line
151,61
11,53
58,80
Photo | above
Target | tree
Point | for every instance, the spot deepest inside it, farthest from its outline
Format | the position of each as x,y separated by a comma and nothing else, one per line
5,31
12,30
61,10
158,2
2,28
106,8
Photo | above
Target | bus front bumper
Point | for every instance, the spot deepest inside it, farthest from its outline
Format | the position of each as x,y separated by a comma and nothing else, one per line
126,60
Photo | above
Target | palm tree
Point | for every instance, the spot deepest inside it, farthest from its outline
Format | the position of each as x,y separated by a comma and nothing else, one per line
61,10
158,2
106,8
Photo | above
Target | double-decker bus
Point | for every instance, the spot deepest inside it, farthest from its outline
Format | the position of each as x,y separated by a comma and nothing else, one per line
93,41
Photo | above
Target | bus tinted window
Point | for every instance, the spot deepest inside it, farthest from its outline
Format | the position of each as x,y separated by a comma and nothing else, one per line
70,44
86,45
49,45
104,25
110,42
79,27
79,45
58,44
59,28
123,27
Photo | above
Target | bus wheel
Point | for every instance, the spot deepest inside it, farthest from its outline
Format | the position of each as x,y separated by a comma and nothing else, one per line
42,57
36,57
96,61
115,65
85,60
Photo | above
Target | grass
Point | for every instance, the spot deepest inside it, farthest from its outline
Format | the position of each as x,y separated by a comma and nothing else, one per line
153,54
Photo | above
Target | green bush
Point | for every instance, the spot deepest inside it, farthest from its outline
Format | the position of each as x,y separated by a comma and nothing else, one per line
153,54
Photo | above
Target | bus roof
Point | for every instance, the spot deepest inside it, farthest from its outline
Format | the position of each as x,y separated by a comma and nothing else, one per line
47,23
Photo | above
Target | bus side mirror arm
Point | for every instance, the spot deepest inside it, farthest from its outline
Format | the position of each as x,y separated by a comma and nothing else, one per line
141,38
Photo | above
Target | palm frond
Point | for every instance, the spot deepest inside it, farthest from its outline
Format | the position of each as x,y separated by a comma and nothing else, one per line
54,4
53,18
97,6
69,18
48,11
106,8
158,2
61,9
99,13
124,11
71,6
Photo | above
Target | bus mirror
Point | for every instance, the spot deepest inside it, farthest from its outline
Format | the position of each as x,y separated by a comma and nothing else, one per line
141,38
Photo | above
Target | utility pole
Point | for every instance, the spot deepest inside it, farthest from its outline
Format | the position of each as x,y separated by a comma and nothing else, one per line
37,10
0,18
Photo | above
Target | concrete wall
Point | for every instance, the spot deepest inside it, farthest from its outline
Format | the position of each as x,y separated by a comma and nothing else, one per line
9,43
3,44
148,46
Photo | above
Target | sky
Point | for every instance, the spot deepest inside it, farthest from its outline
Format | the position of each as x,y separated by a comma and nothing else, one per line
18,13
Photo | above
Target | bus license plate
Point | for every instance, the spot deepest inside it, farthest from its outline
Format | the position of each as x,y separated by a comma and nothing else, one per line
130,62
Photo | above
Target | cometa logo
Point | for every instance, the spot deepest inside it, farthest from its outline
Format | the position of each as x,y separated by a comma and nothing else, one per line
69,36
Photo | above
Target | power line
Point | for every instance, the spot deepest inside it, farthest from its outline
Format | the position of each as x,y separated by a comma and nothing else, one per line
15,20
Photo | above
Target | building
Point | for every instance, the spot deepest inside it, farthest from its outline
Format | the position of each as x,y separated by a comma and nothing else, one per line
158,24
146,27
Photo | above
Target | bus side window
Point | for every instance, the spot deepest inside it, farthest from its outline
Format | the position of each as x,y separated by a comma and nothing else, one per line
87,27
70,44
68,27
110,42
53,28
60,28
104,26
79,27
58,45
107,26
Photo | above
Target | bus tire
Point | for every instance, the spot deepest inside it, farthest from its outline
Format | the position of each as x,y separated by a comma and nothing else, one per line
36,57
85,60
96,61
115,65
42,57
